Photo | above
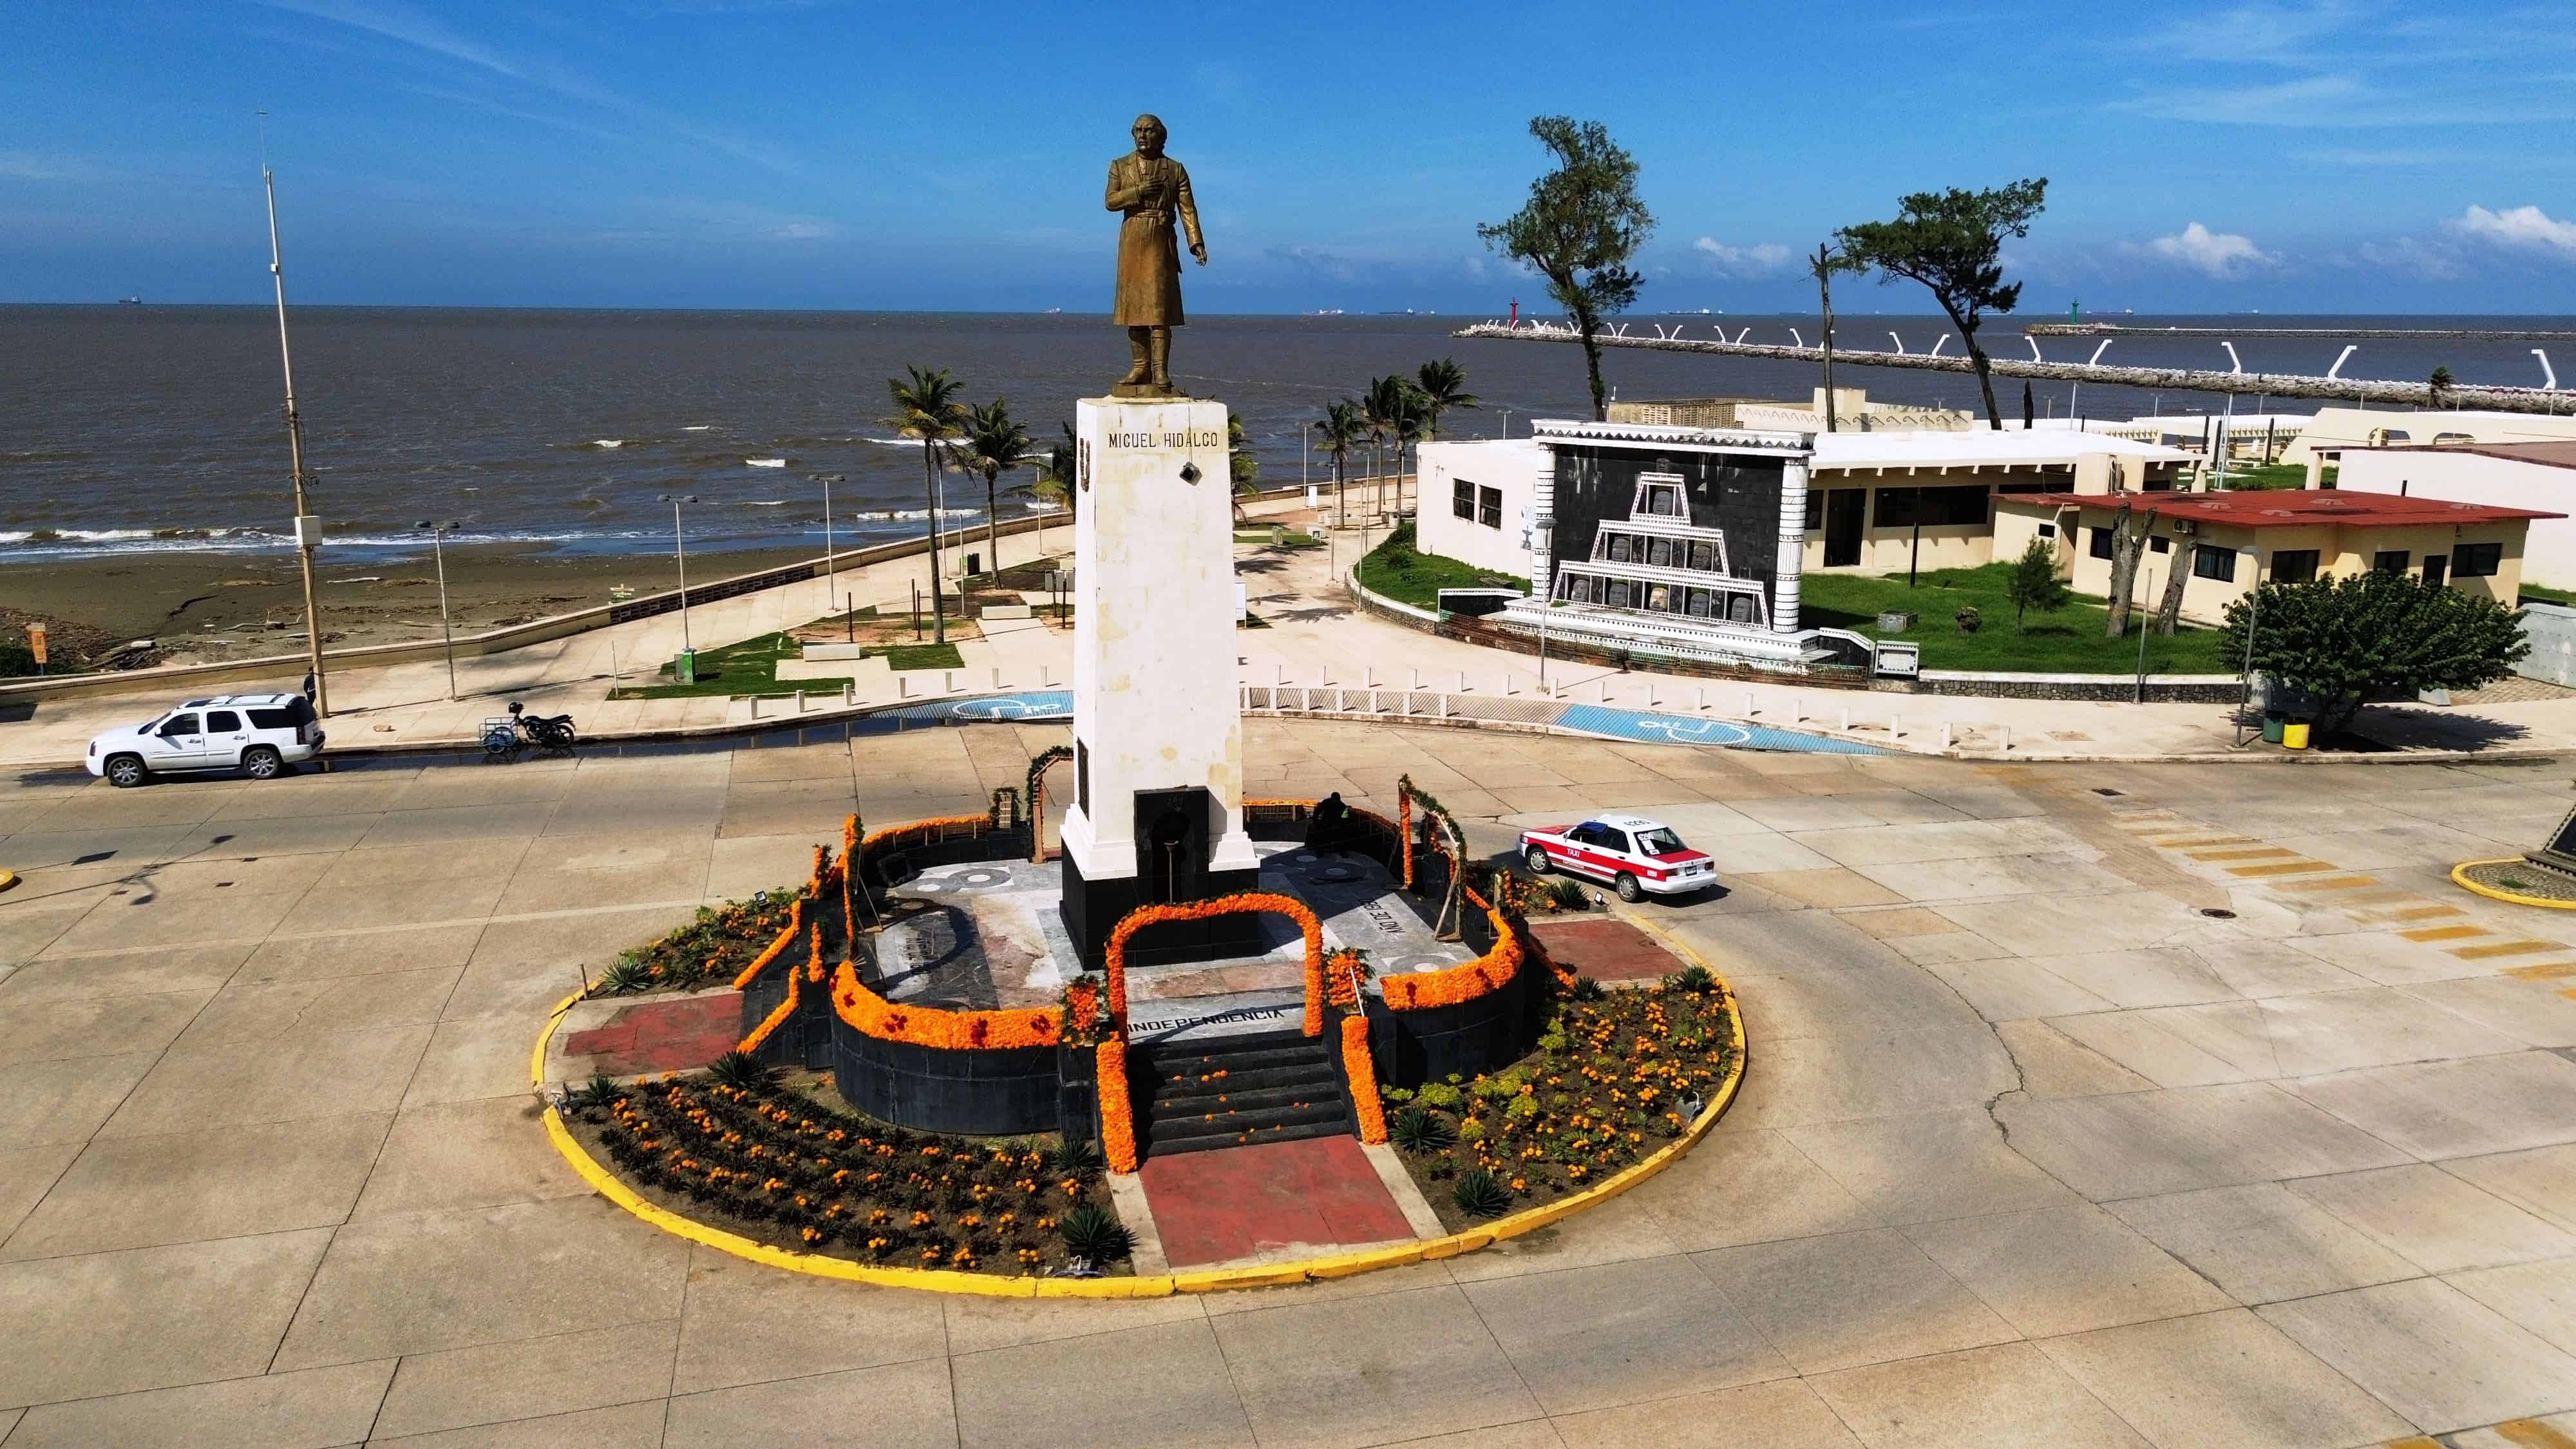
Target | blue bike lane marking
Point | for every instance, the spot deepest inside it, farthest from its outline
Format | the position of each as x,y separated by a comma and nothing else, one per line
1670,729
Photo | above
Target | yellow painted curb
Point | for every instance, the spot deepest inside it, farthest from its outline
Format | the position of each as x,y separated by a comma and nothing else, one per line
2458,878
1160,1285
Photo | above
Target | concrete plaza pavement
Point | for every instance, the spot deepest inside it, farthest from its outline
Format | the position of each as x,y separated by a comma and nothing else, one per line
1316,637
2031,1149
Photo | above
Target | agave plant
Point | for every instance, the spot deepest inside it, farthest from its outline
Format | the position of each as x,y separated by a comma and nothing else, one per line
598,1093
624,978
1090,1233
1568,895
738,1069
1697,980
1480,1194
1076,1158
1417,1130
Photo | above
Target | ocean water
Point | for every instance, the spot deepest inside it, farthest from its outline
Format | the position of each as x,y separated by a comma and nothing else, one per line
141,429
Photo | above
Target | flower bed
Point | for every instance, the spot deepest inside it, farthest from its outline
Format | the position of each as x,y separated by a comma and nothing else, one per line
1610,1082
763,1158
719,945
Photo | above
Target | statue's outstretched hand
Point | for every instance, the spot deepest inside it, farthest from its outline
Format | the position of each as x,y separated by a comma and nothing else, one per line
1199,250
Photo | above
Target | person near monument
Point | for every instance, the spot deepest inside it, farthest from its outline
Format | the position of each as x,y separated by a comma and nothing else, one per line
1328,830
1153,191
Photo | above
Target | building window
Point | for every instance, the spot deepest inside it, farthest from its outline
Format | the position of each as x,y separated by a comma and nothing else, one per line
2476,560
2294,565
2211,562
1815,509
2102,539
1462,499
2160,545
2390,561
1905,507
2048,530
1489,507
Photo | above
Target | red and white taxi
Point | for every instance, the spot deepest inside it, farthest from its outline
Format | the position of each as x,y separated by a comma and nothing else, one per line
1637,856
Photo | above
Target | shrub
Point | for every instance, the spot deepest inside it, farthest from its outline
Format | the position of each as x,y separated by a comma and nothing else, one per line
1443,1095
1471,1130
1480,1194
1415,1130
1568,895
1587,989
738,1069
599,1093
1968,619
1090,1232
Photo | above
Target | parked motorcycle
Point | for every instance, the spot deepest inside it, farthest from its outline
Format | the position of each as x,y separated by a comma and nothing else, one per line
515,731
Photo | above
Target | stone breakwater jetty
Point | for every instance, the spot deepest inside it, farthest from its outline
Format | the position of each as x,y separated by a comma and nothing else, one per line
2401,334
2163,379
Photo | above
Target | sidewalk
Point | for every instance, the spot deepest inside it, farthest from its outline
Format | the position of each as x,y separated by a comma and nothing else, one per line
1315,639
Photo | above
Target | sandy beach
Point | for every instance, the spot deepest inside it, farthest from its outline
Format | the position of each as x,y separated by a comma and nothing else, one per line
203,607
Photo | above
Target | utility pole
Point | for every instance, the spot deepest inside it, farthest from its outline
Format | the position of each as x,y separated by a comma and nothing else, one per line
308,529
437,538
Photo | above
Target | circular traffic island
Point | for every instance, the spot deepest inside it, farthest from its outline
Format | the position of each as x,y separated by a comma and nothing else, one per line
896,1072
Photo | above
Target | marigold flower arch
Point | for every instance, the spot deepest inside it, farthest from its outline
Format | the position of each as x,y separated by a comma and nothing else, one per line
1240,903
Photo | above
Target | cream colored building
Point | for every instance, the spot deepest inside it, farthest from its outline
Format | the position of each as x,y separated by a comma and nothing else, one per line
2510,475
2230,541
1853,412
2335,430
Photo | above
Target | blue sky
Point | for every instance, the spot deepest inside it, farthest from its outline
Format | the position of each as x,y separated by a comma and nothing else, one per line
2346,156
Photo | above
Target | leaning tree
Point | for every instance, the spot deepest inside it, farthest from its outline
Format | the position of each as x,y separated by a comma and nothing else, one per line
1578,229
1952,242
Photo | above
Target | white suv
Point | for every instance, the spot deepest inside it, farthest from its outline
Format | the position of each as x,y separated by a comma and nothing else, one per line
257,734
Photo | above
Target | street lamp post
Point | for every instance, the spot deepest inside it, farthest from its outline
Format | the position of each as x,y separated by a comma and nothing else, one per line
680,551
831,563
437,548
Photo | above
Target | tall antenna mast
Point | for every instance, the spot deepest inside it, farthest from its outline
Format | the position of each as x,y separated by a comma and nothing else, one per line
308,528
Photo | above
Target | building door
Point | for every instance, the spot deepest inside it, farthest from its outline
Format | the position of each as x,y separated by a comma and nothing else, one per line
2437,566
1843,518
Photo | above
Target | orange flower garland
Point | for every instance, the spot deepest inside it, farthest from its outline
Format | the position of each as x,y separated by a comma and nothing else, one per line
777,948
1404,831
1117,1114
1490,972
929,1026
1362,1072
1240,903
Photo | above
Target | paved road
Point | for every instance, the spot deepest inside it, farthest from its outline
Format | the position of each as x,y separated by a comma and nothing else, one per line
2032,1151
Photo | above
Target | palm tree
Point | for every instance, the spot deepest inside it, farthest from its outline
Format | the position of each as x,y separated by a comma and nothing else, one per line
1443,386
1342,428
1392,415
1056,480
1241,468
926,407
992,443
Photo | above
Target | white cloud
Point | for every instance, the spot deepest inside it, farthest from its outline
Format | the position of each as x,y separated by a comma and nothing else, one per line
1752,261
2212,253
2519,226
2432,261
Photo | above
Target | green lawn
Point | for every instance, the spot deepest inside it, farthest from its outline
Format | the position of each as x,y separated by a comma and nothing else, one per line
2254,477
1396,570
2535,593
2069,641
751,668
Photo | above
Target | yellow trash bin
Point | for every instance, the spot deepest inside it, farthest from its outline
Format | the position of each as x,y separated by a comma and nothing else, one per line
2294,735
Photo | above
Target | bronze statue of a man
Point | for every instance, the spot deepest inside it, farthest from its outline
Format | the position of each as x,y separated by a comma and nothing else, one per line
1153,192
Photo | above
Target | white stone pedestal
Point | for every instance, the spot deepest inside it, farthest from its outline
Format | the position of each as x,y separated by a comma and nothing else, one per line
1155,697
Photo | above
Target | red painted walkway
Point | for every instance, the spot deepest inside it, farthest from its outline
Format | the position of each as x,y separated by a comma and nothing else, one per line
671,1034
1605,949
1213,1207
